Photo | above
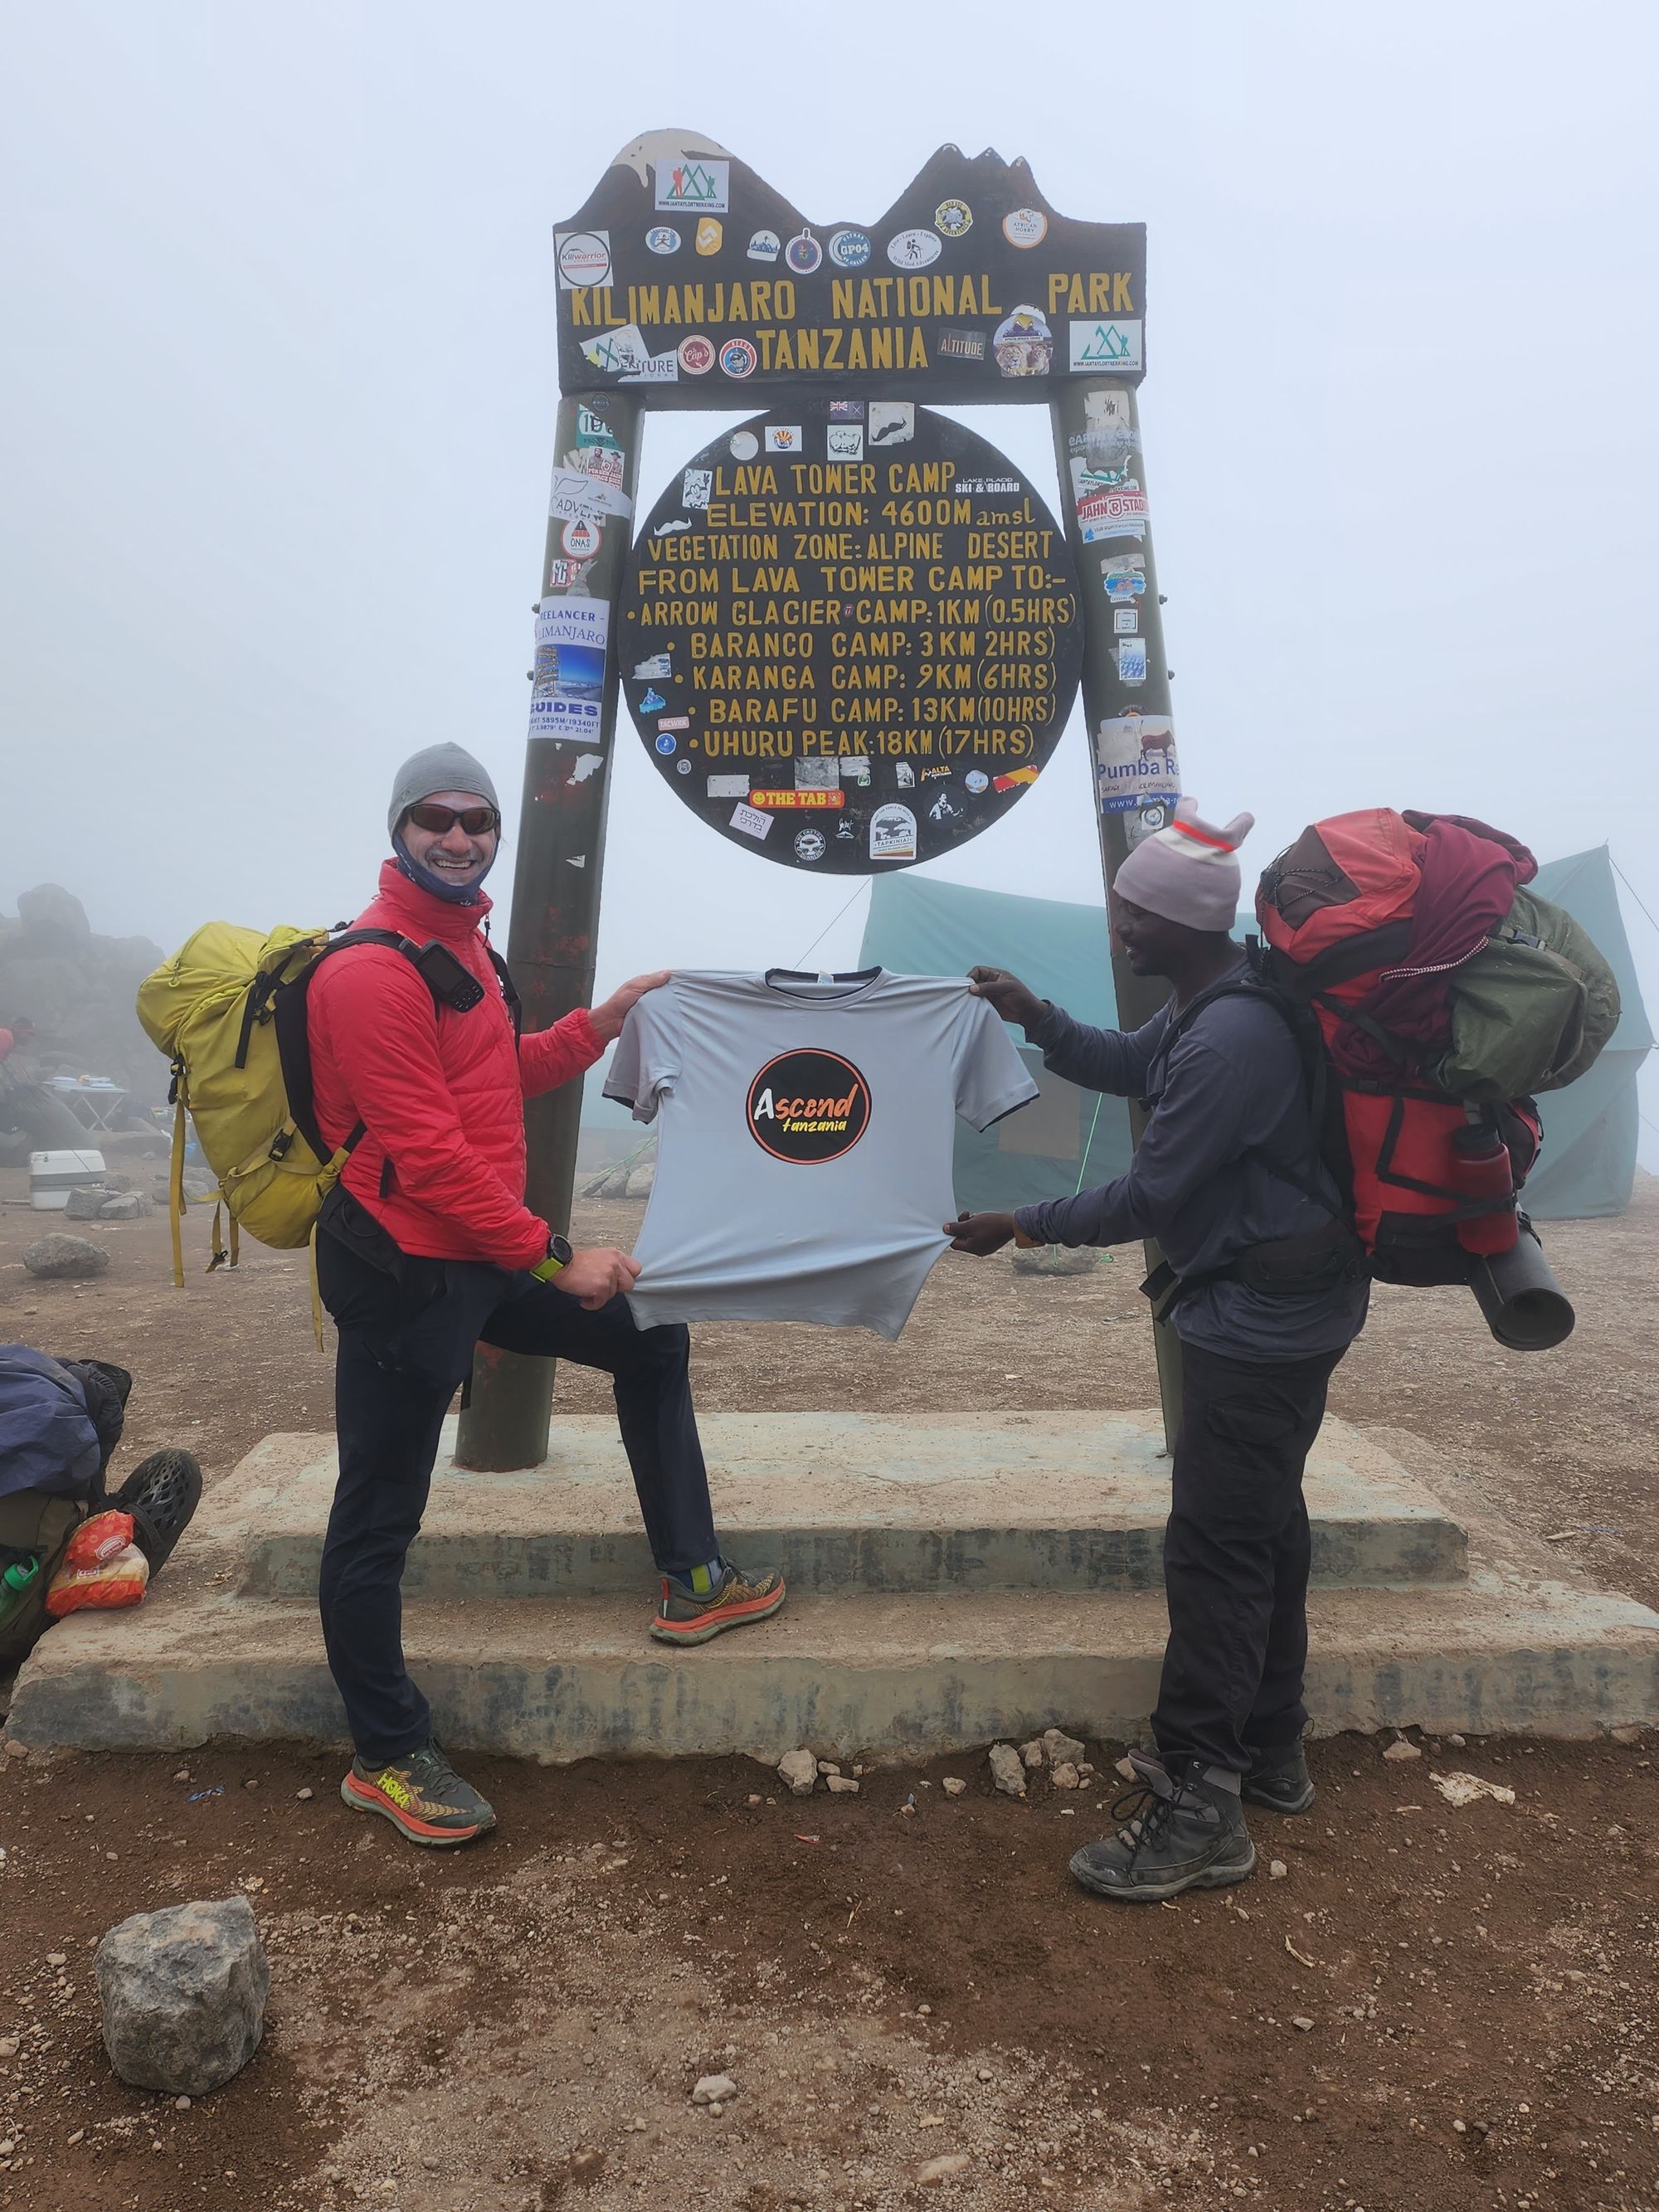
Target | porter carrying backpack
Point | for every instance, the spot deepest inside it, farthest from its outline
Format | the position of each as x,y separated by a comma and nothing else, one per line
230,1011
1445,995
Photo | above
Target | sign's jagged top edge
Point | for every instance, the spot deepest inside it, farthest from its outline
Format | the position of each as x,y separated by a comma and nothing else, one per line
945,162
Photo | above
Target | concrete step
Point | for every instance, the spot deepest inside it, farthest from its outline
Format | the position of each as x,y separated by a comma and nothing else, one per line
560,1679
1067,1502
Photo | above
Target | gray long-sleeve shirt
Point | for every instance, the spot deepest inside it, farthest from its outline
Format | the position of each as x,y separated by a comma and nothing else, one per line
1229,1099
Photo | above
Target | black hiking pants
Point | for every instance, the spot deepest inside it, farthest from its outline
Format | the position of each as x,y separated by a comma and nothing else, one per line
406,1344
1235,1558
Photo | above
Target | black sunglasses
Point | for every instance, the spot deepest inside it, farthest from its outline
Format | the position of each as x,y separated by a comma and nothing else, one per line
475,820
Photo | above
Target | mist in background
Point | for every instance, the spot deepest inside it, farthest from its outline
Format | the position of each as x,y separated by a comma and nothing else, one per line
277,384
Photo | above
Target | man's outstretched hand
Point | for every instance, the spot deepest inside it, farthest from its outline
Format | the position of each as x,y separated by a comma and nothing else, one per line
1012,1000
981,1234
596,1275
608,1018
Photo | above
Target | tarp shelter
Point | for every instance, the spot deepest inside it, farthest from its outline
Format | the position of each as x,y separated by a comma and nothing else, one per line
1069,1139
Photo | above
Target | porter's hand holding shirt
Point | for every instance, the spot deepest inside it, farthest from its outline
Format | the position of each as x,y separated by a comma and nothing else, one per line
805,1139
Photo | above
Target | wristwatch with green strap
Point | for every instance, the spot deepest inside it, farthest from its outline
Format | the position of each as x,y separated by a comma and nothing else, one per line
558,1259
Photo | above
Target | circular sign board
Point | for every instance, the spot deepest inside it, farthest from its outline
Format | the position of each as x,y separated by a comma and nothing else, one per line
851,635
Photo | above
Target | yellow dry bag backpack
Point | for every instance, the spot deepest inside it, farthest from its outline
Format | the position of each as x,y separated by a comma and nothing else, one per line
229,1012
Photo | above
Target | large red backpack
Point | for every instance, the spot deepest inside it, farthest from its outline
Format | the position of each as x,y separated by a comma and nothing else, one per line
1367,917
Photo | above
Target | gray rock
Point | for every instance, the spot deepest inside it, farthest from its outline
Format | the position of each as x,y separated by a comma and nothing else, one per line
50,911
1031,1753
1007,1770
715,2089
639,1183
1061,1746
125,1205
60,1255
1065,1776
953,1785
183,1993
841,1785
87,1203
799,1769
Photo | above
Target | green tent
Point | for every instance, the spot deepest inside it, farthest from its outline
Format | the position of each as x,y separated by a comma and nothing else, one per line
1069,1139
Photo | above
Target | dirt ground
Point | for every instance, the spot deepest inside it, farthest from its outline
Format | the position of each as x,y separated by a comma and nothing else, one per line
893,1977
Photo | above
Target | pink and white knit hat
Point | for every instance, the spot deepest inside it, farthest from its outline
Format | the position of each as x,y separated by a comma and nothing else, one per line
1187,872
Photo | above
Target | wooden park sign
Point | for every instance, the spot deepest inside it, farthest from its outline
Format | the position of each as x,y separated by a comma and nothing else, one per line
851,632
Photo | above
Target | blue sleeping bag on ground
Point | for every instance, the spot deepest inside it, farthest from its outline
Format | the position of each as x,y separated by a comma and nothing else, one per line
48,1441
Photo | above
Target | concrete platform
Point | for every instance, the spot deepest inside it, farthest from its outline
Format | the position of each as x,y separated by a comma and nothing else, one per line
975,1581
1063,1502
561,1679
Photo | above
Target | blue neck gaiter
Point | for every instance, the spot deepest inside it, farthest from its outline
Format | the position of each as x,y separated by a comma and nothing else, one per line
450,894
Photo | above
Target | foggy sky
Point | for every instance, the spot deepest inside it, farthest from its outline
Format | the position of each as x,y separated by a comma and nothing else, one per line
277,383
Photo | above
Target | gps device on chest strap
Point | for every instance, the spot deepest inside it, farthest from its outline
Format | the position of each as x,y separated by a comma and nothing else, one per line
449,978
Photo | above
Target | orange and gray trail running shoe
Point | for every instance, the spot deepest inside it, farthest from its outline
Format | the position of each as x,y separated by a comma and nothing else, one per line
687,1614
422,1795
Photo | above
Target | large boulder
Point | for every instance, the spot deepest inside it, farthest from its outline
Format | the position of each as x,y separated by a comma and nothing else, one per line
61,1255
183,1992
86,1203
50,911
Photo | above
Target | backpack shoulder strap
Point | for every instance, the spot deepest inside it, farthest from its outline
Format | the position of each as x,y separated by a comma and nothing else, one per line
509,991
294,1038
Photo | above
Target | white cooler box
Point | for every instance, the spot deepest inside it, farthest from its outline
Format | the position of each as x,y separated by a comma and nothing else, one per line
53,1175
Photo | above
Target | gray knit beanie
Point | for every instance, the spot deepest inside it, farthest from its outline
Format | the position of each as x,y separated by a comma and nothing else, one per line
439,768
1187,872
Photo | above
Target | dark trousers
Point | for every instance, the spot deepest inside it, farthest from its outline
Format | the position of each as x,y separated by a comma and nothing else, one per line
1235,1558
406,1342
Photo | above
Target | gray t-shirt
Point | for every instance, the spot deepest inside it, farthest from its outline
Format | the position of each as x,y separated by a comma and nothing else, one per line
804,1139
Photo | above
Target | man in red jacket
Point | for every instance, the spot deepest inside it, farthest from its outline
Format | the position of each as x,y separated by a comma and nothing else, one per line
427,1247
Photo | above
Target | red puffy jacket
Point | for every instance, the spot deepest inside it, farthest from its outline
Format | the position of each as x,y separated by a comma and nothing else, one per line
440,1093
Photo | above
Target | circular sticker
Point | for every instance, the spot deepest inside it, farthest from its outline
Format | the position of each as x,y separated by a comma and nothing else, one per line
696,355
765,246
584,258
954,217
737,357
850,249
803,253
914,249
665,238
808,1106
667,743
1025,227
582,539
683,768
835,722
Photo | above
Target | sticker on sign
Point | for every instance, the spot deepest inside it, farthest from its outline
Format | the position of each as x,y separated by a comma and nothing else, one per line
1100,346
584,259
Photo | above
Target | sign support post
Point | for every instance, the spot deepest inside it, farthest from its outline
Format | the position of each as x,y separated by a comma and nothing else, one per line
1106,697
556,884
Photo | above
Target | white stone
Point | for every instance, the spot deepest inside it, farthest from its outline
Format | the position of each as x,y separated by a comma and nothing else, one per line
1031,1753
1006,1771
953,1785
799,1769
945,2167
841,1785
1277,1869
1401,1749
715,2089
1061,1746
1066,1775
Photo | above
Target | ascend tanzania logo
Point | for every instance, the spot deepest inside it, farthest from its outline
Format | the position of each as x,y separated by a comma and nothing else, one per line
808,1106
